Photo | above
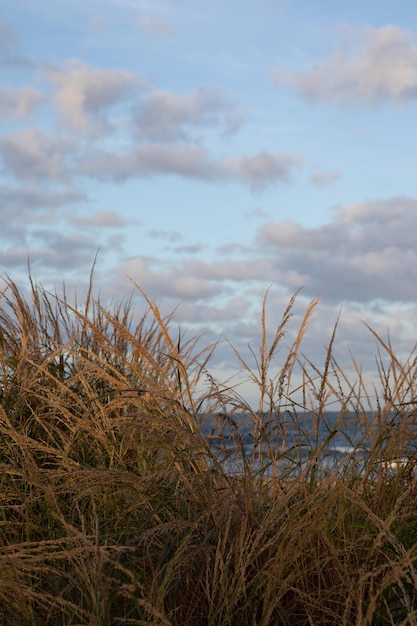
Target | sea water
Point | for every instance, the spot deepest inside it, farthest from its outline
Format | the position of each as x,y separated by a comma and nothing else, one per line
291,442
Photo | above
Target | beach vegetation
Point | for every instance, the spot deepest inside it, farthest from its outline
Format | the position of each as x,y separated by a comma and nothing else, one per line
136,488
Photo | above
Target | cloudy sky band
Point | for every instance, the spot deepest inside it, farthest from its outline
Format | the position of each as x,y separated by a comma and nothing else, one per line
208,172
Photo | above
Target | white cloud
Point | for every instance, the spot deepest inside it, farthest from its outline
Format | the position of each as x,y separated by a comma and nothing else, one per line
84,92
373,66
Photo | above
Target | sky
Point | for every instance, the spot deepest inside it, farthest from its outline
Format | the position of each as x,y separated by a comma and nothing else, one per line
210,151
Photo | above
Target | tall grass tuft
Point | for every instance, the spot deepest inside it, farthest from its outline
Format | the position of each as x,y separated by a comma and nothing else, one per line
137,489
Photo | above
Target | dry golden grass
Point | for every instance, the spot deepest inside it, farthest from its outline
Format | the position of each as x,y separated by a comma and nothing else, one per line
115,508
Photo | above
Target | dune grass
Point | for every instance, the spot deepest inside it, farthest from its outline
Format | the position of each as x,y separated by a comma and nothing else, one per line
119,502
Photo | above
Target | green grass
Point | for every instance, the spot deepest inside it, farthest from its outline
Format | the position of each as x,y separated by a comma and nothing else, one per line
114,508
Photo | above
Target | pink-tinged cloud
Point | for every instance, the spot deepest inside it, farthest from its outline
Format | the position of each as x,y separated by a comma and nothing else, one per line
146,161
19,103
10,55
156,25
100,219
367,252
257,171
165,116
261,170
179,285
33,156
83,93
321,179
373,66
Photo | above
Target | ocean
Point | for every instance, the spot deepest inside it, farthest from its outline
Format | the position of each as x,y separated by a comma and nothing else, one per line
334,441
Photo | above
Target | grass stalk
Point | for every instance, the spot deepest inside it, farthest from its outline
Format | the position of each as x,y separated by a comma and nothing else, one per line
130,496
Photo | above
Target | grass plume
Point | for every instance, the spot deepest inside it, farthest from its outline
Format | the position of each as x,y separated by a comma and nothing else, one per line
129,496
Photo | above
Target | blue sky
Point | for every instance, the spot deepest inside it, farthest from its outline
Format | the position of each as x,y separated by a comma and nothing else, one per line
211,149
